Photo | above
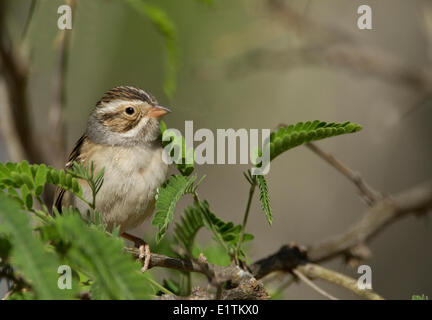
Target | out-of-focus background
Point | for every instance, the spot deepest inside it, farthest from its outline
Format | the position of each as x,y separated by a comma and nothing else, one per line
256,64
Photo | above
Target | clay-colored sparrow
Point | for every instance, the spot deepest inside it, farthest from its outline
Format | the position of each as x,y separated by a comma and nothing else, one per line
122,137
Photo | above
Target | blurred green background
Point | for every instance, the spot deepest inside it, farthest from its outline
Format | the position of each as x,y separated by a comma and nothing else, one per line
243,64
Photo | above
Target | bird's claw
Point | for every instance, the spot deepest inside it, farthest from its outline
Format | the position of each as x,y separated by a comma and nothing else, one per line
144,254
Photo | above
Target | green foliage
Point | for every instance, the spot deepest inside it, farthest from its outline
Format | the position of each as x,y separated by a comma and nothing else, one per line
83,245
186,230
183,167
419,297
21,296
64,180
167,29
33,249
215,254
288,137
166,200
115,275
225,233
5,248
29,255
264,198
259,180
172,286
199,215
30,181
94,180
294,135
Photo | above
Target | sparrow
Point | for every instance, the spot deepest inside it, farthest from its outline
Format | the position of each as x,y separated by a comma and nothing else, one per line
122,136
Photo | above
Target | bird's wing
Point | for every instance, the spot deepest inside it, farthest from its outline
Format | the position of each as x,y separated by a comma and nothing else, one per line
74,156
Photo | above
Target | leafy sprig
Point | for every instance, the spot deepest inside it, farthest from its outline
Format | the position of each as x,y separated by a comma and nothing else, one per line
96,255
29,255
182,165
166,200
93,179
294,135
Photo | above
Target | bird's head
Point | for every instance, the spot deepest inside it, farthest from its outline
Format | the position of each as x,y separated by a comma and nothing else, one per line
125,116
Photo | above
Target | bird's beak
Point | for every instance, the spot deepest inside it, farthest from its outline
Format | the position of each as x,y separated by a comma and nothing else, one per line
158,111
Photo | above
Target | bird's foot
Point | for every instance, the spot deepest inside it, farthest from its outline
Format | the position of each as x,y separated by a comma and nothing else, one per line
143,249
145,255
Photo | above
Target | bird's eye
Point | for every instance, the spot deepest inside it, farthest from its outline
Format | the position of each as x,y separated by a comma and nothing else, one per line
130,110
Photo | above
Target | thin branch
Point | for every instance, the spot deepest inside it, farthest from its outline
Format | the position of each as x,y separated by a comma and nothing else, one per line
323,44
414,201
285,259
243,285
417,200
367,192
315,271
217,235
56,117
159,260
246,214
305,279
10,135
15,72
279,290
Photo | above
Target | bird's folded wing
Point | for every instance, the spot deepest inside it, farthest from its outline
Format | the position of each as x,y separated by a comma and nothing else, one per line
59,194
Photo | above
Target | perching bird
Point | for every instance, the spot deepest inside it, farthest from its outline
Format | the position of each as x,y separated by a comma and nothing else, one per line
122,137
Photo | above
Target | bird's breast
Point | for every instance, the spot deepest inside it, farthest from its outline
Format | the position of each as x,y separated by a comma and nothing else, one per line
131,179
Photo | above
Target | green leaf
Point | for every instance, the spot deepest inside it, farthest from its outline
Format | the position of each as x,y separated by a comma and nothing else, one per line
172,286
21,296
186,230
41,175
26,196
183,167
29,257
166,200
264,198
4,171
165,26
5,248
223,231
24,168
214,253
66,180
292,136
34,177
115,274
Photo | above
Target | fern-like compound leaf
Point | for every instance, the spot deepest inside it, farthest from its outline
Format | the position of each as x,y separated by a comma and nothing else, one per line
34,177
223,231
31,259
166,200
186,230
113,273
264,198
182,164
291,136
